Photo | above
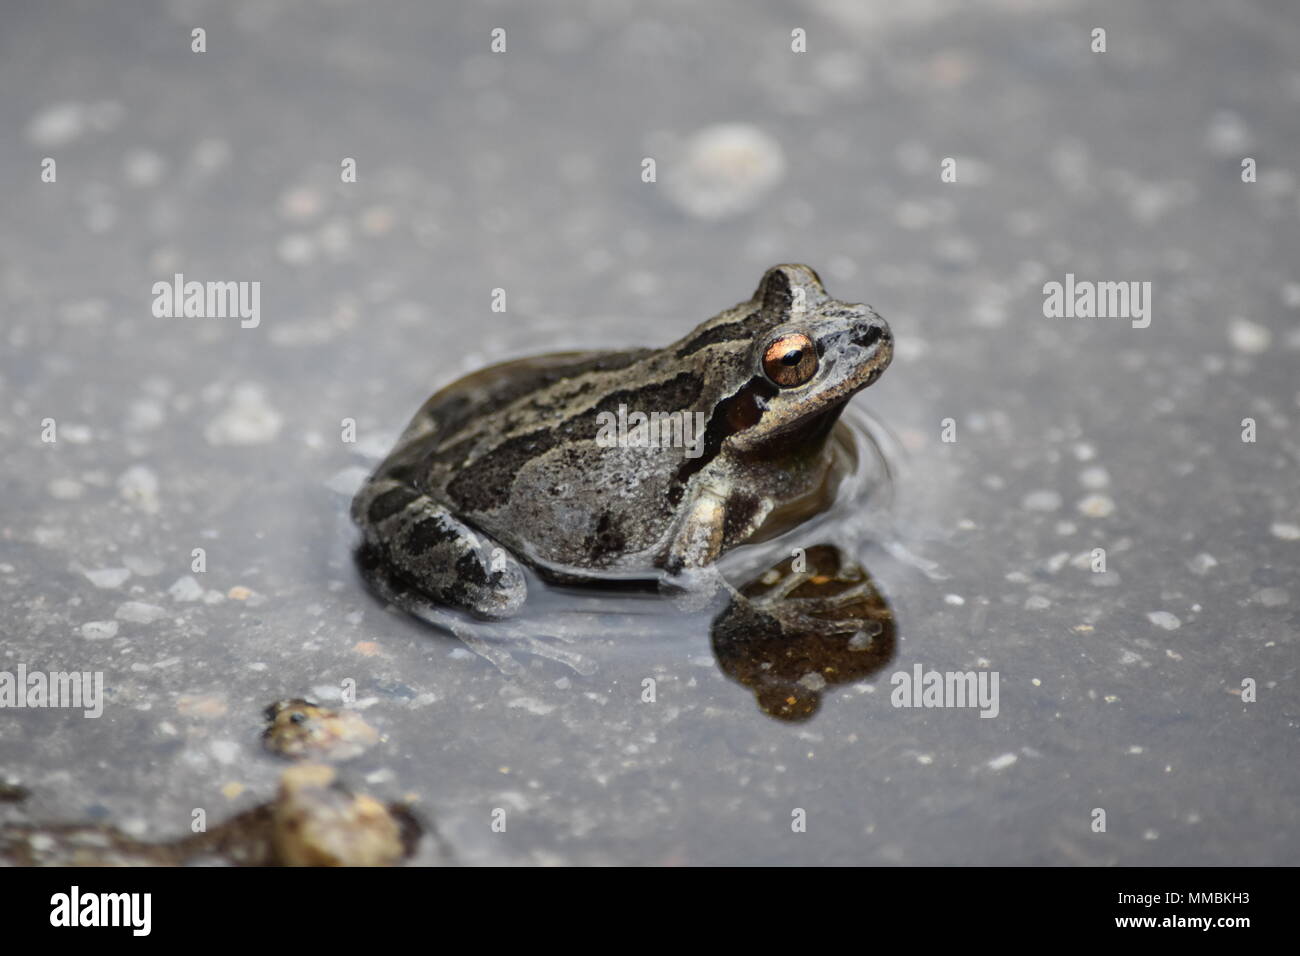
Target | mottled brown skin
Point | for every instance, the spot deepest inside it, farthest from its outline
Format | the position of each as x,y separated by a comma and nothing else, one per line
505,464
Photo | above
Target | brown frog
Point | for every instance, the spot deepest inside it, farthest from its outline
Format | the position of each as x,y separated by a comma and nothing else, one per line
643,464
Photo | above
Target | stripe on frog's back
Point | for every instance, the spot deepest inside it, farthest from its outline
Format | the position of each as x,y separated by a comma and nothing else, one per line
735,330
499,386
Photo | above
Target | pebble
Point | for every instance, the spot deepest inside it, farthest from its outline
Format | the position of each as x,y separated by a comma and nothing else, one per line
226,751
1164,619
186,589
1285,531
248,420
726,170
108,577
1248,337
532,705
813,681
1044,500
1096,506
137,612
1094,478
99,630
65,489
143,167
57,125
138,485
1272,597
145,567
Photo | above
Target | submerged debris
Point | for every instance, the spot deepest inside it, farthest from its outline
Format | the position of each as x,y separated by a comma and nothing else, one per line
313,821
300,729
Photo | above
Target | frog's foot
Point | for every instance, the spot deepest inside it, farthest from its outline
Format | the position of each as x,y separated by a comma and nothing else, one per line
428,546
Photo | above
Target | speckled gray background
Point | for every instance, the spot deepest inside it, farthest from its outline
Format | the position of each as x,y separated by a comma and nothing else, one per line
522,171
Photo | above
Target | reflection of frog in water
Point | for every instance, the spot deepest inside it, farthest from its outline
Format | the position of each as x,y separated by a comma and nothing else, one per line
794,633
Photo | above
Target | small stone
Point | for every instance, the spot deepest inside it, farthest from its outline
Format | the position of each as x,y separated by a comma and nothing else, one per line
139,486
1248,337
726,170
532,705
226,751
301,204
1002,762
108,577
296,249
145,567
57,125
813,681
1272,597
143,167
1043,500
1285,530
201,705
137,612
1164,619
248,420
99,630
65,489
1094,478
1097,506
186,589
860,641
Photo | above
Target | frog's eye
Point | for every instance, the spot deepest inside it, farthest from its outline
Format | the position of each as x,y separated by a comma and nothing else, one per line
791,360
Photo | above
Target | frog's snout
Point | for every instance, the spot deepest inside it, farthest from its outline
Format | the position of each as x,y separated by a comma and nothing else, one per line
872,333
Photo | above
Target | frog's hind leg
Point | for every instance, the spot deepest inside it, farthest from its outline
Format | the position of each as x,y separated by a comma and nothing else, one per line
446,559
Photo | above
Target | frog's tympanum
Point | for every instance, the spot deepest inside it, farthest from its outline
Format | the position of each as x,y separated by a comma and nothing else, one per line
645,464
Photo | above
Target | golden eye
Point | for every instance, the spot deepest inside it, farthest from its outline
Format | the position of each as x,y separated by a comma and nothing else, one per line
791,360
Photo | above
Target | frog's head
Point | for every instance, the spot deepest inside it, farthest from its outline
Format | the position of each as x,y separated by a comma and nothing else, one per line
809,355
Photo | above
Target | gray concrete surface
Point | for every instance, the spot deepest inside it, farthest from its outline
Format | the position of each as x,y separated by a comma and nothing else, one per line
1120,691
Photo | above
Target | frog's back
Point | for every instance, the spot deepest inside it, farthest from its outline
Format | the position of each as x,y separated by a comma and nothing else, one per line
513,450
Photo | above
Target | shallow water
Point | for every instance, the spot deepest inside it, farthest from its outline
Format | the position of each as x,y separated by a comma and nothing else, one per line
1119,690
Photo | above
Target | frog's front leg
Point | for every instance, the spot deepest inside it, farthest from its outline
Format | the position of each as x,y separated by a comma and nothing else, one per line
688,563
424,543
698,538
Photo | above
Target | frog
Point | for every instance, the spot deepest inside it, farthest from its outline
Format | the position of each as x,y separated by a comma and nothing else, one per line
517,464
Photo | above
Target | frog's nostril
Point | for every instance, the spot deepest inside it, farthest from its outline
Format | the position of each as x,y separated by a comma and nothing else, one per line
868,335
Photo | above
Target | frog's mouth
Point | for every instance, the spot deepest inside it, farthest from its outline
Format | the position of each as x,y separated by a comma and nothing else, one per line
805,433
